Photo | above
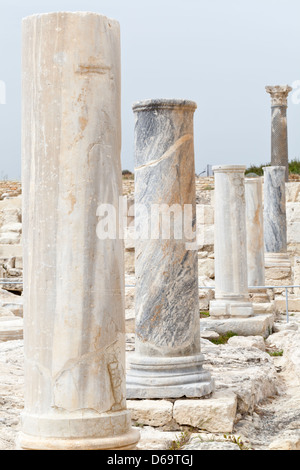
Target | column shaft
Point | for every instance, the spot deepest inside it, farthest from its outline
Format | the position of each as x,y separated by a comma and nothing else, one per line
255,232
75,391
231,278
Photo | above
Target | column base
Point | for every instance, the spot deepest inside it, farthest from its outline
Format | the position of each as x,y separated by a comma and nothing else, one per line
230,309
108,431
171,377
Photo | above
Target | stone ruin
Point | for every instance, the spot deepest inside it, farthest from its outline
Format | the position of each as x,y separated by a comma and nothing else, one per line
87,301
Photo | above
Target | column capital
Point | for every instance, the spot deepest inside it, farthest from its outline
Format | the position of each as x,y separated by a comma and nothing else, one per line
279,94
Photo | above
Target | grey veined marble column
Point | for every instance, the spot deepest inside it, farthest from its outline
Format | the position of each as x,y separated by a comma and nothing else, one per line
231,276
279,137
75,389
255,231
167,362
275,228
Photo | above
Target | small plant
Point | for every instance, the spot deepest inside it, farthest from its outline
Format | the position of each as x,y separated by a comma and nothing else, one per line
127,175
181,440
294,167
236,440
275,353
204,314
223,339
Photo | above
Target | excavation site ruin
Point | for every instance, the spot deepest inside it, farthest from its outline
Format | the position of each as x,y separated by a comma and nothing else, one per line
145,310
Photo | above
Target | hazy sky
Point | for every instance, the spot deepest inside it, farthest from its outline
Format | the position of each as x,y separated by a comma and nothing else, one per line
219,53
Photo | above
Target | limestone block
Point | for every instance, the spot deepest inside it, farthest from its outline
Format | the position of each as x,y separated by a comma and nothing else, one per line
205,214
12,227
293,303
282,274
248,372
209,334
288,340
12,329
258,325
205,235
19,262
10,215
293,233
206,267
260,308
9,251
296,273
292,192
154,439
10,238
290,440
216,414
293,212
206,197
151,412
247,342
213,444
5,312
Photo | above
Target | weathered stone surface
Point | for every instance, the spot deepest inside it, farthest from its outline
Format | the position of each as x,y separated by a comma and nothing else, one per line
151,412
271,412
11,329
247,342
12,302
210,442
4,313
247,372
216,414
289,440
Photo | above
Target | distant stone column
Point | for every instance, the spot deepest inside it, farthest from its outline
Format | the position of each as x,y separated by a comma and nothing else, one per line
275,226
231,276
255,232
75,389
255,237
167,362
279,137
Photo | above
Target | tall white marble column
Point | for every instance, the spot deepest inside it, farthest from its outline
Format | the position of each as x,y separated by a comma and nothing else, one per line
167,362
231,276
275,227
279,135
75,391
255,238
